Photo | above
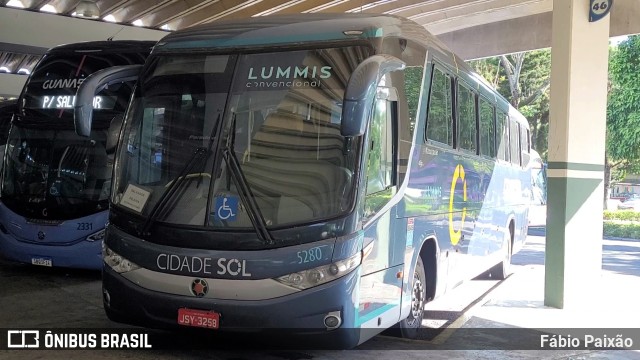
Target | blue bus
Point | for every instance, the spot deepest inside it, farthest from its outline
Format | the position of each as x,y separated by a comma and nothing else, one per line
55,184
7,108
326,174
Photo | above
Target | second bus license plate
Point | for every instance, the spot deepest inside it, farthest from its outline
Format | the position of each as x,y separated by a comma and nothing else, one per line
41,261
198,318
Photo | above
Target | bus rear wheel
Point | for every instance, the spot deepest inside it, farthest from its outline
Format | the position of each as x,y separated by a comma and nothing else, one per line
410,325
503,269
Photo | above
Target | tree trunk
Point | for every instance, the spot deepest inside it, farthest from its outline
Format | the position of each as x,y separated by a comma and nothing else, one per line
607,181
513,71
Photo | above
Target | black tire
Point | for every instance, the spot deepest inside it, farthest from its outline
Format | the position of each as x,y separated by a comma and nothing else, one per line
502,270
410,325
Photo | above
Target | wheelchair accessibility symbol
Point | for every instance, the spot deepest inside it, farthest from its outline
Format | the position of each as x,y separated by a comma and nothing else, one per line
226,208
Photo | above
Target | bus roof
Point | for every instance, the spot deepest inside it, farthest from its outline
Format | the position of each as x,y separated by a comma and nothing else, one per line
300,29
105,45
291,29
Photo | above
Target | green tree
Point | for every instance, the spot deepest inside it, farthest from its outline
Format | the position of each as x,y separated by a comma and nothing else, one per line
523,79
623,111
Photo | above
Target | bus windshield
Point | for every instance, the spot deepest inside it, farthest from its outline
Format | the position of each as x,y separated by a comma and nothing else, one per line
50,172
57,172
219,139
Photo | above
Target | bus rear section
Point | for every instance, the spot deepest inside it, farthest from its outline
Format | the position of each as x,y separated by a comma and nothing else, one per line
268,183
56,184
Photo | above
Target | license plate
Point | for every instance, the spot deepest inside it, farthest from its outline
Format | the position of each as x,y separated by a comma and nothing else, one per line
41,261
198,318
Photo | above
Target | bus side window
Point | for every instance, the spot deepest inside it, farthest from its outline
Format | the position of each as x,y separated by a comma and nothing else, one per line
413,86
466,119
487,130
380,164
502,136
514,135
524,145
439,119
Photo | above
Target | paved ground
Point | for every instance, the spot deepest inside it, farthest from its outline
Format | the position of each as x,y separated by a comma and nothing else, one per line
478,315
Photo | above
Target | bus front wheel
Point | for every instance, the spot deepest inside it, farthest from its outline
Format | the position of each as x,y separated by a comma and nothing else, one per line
410,325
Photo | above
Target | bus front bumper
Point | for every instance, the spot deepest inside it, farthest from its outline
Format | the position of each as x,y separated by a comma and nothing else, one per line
298,316
81,255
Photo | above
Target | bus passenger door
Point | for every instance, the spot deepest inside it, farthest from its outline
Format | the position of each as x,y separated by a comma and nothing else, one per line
380,285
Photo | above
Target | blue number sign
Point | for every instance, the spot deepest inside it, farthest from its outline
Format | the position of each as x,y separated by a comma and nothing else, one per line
599,9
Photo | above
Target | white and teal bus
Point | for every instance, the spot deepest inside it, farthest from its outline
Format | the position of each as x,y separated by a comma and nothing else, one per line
324,174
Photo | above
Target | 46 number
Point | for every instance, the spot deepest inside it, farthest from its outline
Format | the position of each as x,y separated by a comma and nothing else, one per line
600,7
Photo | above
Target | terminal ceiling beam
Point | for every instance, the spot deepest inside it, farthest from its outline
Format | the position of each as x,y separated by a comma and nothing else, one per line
173,12
530,32
32,33
43,31
466,14
472,28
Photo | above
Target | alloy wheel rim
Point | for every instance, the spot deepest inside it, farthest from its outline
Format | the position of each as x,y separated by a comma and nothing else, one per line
417,300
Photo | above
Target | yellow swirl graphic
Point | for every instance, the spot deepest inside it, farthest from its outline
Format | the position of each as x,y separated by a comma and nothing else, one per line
457,174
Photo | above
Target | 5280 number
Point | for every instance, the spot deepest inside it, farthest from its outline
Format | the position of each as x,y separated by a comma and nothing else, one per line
310,255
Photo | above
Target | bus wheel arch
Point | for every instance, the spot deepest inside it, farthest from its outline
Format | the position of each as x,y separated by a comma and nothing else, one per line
409,326
423,280
428,254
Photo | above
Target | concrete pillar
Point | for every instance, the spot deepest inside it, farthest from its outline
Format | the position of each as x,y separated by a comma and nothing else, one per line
577,127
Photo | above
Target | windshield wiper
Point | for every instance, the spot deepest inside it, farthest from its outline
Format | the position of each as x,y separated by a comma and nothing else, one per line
255,215
199,154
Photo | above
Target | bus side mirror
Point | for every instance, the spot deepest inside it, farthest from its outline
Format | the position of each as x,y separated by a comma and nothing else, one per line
94,83
361,91
113,133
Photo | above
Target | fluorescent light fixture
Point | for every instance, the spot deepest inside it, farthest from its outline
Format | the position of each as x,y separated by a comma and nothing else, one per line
5,69
280,7
325,6
15,4
49,9
24,71
87,9
138,22
165,27
109,18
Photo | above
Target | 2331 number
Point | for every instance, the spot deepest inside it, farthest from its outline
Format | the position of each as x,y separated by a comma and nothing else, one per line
85,226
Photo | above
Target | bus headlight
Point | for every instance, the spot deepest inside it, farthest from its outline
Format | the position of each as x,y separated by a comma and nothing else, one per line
322,274
117,262
97,236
